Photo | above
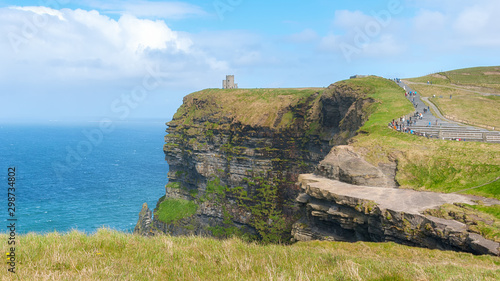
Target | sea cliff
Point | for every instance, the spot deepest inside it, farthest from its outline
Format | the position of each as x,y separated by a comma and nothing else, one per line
237,154
240,161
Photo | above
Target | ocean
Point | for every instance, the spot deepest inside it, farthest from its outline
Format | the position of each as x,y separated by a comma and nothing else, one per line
81,176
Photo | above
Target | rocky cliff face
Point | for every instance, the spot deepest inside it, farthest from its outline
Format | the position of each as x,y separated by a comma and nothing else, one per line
240,163
336,211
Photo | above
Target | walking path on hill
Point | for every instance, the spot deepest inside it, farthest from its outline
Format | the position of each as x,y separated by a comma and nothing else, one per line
451,87
437,112
475,187
437,126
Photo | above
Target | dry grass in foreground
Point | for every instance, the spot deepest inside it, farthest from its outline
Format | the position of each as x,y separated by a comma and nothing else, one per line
112,255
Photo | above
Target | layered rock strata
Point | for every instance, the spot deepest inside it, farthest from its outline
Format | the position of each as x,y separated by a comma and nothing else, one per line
338,211
210,140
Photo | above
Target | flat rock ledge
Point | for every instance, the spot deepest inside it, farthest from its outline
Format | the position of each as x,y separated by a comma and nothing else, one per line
338,211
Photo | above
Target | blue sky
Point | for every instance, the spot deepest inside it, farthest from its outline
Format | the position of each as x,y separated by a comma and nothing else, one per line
120,60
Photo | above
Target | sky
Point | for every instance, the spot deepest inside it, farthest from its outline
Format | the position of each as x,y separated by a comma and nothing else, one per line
63,60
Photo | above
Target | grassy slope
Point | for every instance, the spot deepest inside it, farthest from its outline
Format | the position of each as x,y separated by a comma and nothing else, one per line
465,86
485,77
111,255
424,164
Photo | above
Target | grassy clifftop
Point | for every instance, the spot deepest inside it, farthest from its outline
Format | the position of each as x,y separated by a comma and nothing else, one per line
111,255
254,107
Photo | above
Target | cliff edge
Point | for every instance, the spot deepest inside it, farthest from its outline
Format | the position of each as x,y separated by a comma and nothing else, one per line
241,163
237,154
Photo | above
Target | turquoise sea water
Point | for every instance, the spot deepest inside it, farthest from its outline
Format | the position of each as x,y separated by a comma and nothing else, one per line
79,177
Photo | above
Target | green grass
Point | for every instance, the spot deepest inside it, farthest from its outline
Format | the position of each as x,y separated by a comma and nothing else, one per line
173,185
423,164
172,210
492,210
487,190
484,220
111,255
478,77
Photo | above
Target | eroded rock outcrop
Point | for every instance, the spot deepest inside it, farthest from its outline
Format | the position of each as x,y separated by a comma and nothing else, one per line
334,210
143,225
344,164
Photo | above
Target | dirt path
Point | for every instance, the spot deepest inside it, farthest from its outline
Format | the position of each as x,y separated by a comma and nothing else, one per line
451,87
467,189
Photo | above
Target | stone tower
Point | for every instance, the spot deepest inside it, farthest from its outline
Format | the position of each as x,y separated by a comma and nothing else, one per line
229,83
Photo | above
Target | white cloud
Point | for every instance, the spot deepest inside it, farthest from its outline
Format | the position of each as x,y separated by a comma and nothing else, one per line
458,27
141,35
386,46
472,20
356,35
41,11
163,9
75,62
238,48
329,42
446,26
81,40
350,19
429,21
140,8
248,58
305,36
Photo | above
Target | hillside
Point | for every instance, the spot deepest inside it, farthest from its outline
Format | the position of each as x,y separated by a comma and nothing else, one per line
235,158
423,164
474,92
476,78
111,255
